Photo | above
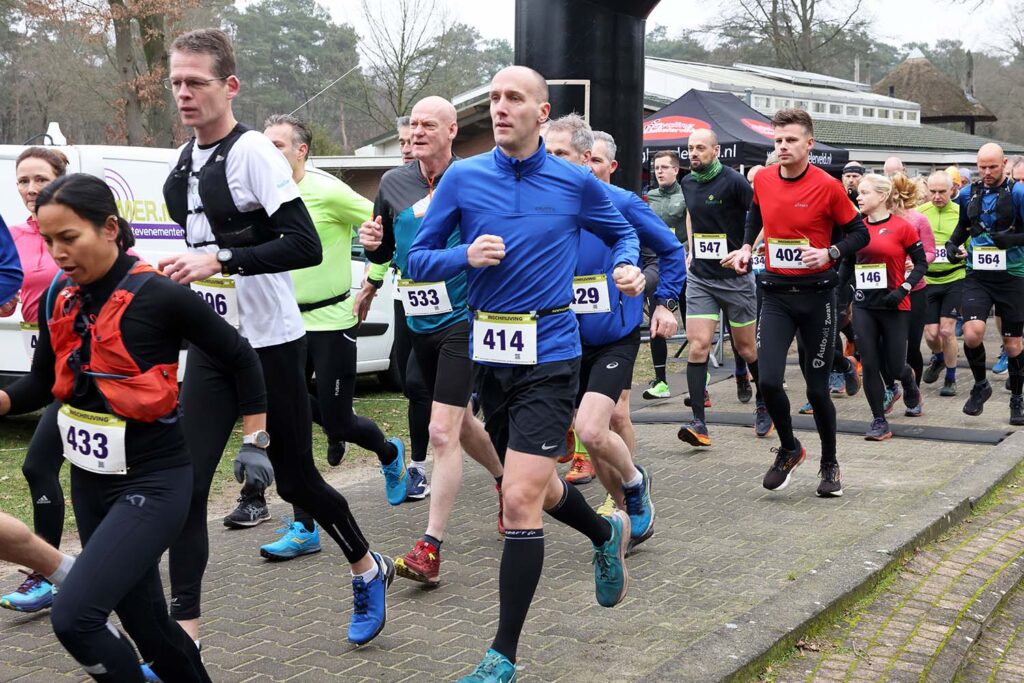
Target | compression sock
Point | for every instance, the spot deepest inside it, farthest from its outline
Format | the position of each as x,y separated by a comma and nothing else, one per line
696,380
741,367
976,360
659,356
522,560
1016,369
755,378
574,511
304,517
951,374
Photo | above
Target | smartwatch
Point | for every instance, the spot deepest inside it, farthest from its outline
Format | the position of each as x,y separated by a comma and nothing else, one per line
671,304
259,439
223,257
833,253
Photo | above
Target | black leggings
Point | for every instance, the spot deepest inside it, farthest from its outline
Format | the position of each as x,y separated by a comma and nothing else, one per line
915,331
126,523
414,388
812,316
210,407
42,472
882,342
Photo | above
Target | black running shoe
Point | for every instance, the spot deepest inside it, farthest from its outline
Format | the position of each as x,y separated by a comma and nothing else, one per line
779,474
980,392
336,453
878,431
831,485
931,373
762,421
1017,409
948,388
744,392
250,512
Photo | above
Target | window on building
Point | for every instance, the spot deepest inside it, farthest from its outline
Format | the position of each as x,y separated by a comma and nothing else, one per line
883,113
897,114
868,112
782,103
802,104
762,102
835,109
911,116
852,111
819,107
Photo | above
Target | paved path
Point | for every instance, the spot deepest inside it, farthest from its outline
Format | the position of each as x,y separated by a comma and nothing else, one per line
726,554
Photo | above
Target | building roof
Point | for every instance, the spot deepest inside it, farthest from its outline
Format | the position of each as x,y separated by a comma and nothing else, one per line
882,136
942,99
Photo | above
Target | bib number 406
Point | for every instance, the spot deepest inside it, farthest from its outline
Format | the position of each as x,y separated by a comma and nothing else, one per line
218,302
87,443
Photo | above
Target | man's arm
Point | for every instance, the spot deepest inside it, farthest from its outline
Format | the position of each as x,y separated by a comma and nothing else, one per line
383,254
429,258
599,216
297,246
671,254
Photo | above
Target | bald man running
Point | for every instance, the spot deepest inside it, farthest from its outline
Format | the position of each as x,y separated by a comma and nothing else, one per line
992,224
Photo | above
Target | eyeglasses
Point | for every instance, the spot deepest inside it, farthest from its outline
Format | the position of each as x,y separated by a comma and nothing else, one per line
193,84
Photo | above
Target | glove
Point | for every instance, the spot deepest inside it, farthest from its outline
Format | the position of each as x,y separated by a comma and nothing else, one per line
951,252
1002,240
253,467
894,297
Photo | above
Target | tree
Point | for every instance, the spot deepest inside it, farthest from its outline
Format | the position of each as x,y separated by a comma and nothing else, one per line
465,60
682,47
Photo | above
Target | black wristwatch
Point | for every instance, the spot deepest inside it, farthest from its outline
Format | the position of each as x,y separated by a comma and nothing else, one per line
834,253
223,256
671,304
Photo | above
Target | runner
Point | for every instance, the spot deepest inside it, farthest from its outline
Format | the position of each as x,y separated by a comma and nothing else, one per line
436,313
331,327
945,285
525,339
404,138
108,350
992,216
251,228
34,169
610,329
718,199
798,207
882,300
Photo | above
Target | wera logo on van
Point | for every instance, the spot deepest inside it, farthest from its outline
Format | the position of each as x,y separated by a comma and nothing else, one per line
145,210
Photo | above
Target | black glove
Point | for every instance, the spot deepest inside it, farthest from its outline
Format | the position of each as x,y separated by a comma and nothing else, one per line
894,297
253,467
952,251
1002,240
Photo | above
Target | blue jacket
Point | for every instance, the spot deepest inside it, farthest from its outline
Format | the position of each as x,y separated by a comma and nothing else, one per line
10,265
537,206
627,312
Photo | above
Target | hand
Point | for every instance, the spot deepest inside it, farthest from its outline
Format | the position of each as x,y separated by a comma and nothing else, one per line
814,258
908,266
663,323
629,280
689,260
738,260
371,234
8,308
253,467
486,250
186,268
1001,239
364,300
954,253
894,297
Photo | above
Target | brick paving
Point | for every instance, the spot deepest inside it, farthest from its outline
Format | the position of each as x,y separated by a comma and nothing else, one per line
723,547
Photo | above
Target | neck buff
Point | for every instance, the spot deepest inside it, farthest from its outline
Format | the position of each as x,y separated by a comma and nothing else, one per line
708,173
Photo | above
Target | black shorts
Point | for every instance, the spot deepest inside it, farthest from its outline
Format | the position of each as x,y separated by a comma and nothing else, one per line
1006,294
528,408
608,369
443,358
943,301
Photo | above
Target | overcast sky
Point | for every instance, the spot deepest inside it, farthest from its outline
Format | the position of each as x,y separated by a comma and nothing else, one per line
897,22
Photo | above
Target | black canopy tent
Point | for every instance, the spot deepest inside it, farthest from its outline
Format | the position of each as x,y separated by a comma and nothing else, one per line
745,135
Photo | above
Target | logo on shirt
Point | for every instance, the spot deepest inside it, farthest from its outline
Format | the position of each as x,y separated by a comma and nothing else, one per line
883,231
712,201
801,205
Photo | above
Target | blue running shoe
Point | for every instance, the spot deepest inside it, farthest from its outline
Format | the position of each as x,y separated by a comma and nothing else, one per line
611,577
396,476
806,409
294,542
418,486
370,607
640,510
837,383
148,674
34,593
495,668
1001,363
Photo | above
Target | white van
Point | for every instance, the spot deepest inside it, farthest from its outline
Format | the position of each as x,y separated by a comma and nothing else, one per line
136,175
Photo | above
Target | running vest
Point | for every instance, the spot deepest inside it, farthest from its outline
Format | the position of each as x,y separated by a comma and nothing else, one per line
93,346
1004,212
231,227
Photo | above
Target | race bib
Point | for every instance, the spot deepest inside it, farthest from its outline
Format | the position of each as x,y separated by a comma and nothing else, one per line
507,338
590,294
988,258
424,298
940,255
870,276
30,338
220,294
786,253
710,246
757,263
93,441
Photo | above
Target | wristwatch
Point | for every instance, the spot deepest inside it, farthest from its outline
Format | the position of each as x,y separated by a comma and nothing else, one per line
223,257
833,253
671,304
259,439
906,286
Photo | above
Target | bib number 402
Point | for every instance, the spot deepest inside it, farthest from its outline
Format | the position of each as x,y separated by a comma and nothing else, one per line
500,340
87,443
787,254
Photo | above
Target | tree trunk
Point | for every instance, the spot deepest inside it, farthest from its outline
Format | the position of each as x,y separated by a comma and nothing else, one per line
124,55
160,107
342,126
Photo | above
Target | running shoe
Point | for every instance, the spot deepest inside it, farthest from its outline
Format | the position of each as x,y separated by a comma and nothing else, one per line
250,512
34,593
396,476
831,485
806,409
570,446
422,563
370,607
851,377
916,411
892,394
762,420
581,471
657,389
640,510
495,668
849,349
837,383
418,486
611,577
879,430
948,388
336,452
707,400
695,433
913,400
607,507
295,541
744,392
1001,363
779,474
1017,410
501,511
980,392
931,373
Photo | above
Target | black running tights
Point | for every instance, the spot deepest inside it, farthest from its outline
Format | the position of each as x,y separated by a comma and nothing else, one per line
882,342
42,472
